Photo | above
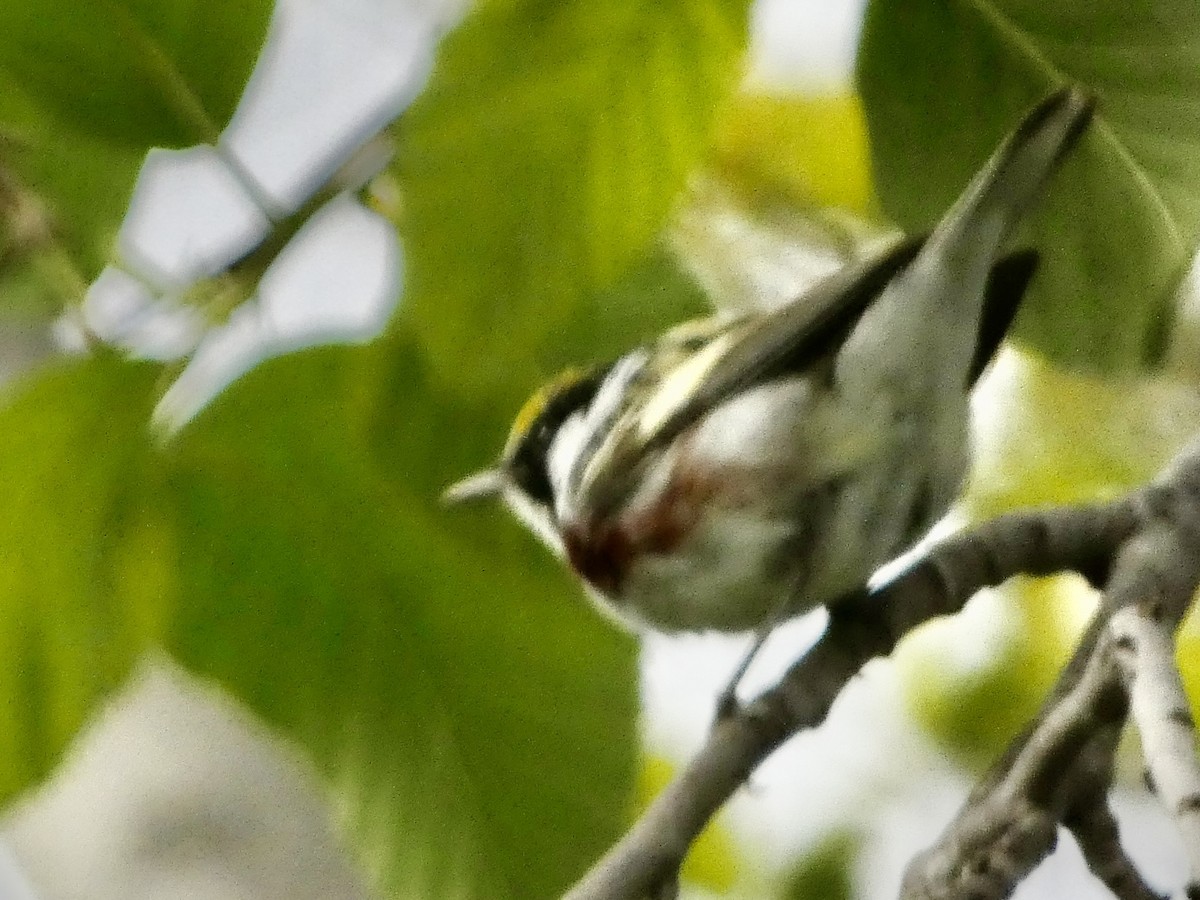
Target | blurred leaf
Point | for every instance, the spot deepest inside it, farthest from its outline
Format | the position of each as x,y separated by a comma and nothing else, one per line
474,719
475,724
814,148
122,76
653,294
136,73
1047,436
974,699
72,470
942,82
825,872
1187,656
754,247
542,161
25,296
80,184
711,862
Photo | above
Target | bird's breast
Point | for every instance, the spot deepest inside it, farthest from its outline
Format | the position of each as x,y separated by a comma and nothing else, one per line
694,554
603,551
600,554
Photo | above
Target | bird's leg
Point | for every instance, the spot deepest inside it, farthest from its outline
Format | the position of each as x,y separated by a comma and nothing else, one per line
727,701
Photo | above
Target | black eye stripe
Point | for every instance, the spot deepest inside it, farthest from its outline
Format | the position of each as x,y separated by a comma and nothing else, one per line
527,464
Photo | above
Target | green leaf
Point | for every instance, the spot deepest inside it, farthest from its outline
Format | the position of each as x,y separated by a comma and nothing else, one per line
756,245
1187,657
942,82
811,148
1067,437
656,292
542,161
826,872
72,472
474,719
76,184
138,73
86,88
975,708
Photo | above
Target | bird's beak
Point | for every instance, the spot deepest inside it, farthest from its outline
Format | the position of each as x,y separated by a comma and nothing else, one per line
487,483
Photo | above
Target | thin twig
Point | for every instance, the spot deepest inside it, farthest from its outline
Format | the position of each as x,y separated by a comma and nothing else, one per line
1099,839
1160,709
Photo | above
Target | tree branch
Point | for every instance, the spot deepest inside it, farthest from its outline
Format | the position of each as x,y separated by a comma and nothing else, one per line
1057,771
1095,830
1146,659
1039,778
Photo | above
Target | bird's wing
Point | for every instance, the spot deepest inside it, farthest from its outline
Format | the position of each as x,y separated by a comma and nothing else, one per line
791,339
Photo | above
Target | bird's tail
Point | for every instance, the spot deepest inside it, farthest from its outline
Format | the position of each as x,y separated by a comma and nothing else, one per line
992,205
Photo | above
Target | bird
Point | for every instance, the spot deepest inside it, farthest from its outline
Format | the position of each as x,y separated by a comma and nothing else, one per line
741,470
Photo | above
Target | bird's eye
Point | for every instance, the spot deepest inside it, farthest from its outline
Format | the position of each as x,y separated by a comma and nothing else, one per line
530,475
538,423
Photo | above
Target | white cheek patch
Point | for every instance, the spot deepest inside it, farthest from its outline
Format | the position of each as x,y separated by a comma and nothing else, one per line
582,435
561,460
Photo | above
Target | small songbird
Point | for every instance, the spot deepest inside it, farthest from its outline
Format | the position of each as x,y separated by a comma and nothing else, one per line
739,471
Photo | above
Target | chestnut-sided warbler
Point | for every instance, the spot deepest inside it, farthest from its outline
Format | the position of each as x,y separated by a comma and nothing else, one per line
738,471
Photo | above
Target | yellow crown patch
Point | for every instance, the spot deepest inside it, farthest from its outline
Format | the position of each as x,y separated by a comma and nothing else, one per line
533,407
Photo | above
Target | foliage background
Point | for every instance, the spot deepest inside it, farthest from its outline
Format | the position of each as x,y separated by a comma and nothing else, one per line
571,178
